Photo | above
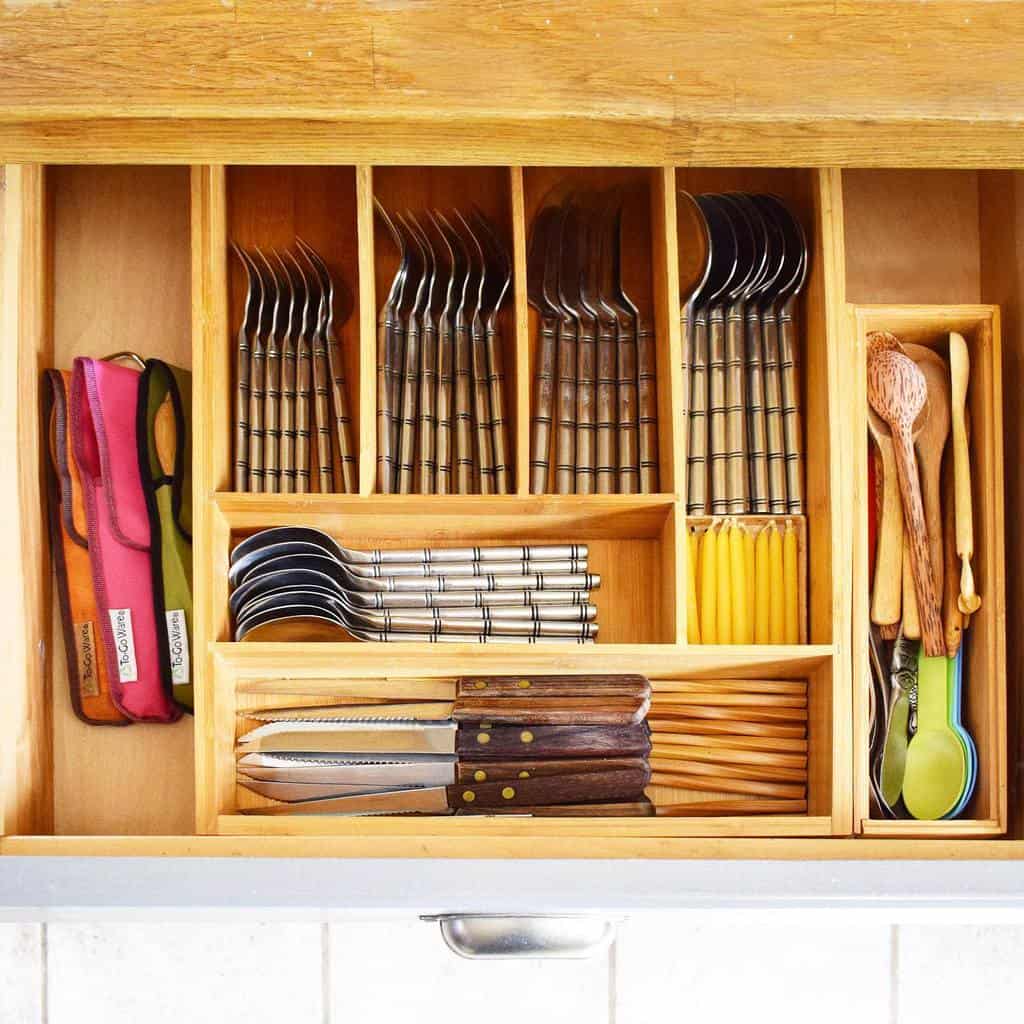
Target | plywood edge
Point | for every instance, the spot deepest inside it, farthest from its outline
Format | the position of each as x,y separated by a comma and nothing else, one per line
26,756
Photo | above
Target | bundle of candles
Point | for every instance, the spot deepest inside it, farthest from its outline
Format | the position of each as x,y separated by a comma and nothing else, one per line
744,583
739,744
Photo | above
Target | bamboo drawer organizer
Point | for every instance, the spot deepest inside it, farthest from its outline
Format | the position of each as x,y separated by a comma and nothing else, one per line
100,254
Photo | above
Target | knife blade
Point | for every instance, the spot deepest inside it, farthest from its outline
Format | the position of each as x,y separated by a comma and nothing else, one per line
596,787
480,742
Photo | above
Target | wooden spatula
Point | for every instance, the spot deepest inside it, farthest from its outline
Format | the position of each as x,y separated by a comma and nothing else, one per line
960,370
897,392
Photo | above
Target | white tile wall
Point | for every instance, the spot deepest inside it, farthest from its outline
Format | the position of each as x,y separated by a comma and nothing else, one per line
402,971
184,972
21,974
736,969
960,973
663,967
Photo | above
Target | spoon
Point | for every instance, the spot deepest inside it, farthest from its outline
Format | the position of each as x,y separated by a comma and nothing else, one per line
931,443
897,391
960,369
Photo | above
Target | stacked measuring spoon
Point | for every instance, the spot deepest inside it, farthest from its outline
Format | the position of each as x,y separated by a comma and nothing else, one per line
299,583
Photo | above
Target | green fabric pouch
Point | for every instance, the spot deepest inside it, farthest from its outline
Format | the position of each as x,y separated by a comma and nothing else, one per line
165,465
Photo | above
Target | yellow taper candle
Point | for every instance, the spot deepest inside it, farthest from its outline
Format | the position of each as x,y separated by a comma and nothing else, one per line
789,574
749,562
708,590
738,570
724,587
762,587
692,620
776,604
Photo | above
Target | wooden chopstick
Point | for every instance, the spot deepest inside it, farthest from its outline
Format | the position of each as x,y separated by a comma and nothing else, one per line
659,762
780,744
787,791
711,726
710,698
789,686
761,714
716,808
729,755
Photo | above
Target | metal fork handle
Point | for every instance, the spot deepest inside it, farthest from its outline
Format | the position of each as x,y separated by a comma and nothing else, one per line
647,403
464,462
472,599
629,453
445,388
495,553
287,450
428,412
424,617
451,570
242,413
385,410
697,446
718,448
586,425
342,418
256,370
534,581
303,390
410,400
607,473
499,419
482,407
441,624
773,415
565,409
737,493
271,420
322,412
397,363
543,404
686,339
792,431
757,440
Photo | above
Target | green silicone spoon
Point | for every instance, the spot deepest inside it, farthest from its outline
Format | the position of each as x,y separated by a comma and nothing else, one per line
936,771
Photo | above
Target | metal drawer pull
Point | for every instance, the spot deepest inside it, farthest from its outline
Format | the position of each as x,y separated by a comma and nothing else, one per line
538,937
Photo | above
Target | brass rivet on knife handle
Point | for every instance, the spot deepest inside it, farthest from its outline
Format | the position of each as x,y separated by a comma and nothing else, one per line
737,498
508,792
565,408
526,736
480,775
543,405
792,430
468,796
697,445
773,415
756,429
717,446
647,400
629,453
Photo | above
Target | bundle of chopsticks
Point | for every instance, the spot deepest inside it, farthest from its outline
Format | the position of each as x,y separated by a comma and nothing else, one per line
744,741
289,377
745,583
595,407
505,745
441,421
299,583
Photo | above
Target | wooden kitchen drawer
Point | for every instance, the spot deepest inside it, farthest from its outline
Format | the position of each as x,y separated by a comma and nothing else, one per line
94,252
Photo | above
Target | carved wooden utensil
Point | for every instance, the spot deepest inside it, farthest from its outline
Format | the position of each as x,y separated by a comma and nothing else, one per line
960,370
930,444
886,601
897,391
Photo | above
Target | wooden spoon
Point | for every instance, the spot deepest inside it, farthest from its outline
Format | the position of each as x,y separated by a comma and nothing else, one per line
897,391
960,371
931,443
885,597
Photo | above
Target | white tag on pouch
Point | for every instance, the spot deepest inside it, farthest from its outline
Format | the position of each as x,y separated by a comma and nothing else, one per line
124,644
177,642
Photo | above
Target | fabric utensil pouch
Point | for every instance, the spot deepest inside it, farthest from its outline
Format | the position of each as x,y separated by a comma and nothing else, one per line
88,672
104,404
165,468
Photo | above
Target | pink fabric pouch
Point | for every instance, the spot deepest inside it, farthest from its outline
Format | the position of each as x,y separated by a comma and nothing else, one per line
104,403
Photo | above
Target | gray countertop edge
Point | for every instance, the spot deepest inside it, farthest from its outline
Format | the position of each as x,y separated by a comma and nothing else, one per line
41,887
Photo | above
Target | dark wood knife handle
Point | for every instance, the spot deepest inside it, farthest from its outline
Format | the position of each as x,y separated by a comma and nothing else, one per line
554,686
520,710
624,809
502,771
548,741
623,784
